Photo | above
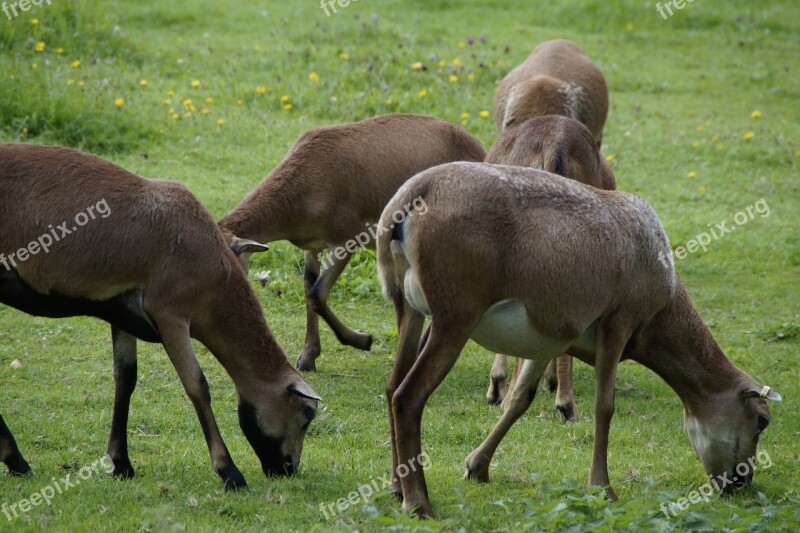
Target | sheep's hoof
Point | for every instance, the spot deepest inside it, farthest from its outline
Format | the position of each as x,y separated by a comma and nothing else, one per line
233,479
421,510
123,469
306,363
18,466
477,469
362,341
568,411
496,392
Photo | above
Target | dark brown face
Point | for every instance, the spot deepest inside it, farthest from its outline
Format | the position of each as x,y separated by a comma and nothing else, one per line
276,426
274,462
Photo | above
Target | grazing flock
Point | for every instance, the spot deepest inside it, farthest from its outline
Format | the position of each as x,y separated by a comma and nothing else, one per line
553,263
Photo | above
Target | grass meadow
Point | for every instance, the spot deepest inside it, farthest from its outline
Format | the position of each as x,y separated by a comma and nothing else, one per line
704,122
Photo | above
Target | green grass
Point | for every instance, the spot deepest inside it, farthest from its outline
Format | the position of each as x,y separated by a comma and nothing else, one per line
682,92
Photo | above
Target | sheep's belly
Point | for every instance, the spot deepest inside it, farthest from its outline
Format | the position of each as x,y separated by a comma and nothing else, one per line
505,329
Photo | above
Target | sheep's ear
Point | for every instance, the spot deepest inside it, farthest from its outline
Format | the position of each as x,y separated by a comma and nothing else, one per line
304,390
242,246
759,391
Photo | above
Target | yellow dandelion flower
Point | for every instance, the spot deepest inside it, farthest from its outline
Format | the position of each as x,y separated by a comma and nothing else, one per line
720,147
629,26
707,123
142,83
187,115
696,144
75,64
205,111
701,190
344,57
187,102
261,89
700,128
34,21
196,84
484,113
714,138
287,107
464,115
171,111
313,77
457,62
756,114
257,48
175,116
453,78
749,135
221,122
416,66
59,50
442,63
40,46
284,99
81,84
170,93
471,76
609,158
240,102
389,101
34,65
166,101
119,102
461,44
70,82
423,93
691,174
209,100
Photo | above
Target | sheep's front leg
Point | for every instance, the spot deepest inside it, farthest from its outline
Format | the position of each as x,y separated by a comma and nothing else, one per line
177,342
125,372
318,298
307,360
10,454
610,342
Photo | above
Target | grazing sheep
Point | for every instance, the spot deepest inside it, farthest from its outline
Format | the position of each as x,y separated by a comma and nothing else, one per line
546,265
557,78
333,183
80,236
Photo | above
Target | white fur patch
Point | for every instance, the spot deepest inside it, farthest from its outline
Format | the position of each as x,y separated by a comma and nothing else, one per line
574,96
505,328
413,292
